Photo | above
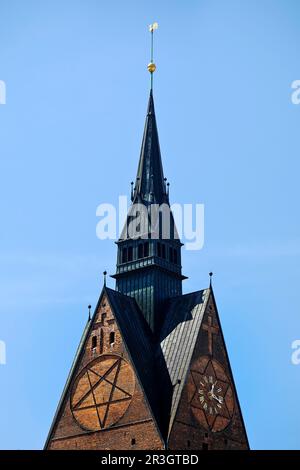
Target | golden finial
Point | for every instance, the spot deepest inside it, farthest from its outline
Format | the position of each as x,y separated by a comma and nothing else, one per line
151,66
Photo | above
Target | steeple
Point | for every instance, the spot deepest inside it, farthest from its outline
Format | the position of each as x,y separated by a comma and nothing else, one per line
150,186
149,257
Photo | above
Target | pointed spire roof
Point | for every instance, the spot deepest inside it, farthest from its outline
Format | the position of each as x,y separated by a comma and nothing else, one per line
150,186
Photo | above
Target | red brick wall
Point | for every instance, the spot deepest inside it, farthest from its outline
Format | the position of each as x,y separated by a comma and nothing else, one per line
191,429
135,429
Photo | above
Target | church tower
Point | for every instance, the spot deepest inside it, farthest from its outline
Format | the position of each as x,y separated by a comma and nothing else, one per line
151,371
149,250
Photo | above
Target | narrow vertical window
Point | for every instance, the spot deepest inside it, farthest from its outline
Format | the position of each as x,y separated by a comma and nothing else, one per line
111,338
171,254
124,255
159,249
101,341
94,342
140,251
163,251
146,249
175,256
130,253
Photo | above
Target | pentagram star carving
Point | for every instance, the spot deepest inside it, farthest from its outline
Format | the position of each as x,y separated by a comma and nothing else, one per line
102,392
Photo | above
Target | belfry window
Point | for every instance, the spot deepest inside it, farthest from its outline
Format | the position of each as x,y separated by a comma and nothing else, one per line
143,250
94,342
124,255
130,253
140,251
163,251
159,249
171,257
146,249
175,256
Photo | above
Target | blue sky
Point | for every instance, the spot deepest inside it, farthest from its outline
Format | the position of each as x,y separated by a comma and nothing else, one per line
70,134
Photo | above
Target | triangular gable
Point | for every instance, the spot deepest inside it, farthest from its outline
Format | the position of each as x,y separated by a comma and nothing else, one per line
206,412
106,388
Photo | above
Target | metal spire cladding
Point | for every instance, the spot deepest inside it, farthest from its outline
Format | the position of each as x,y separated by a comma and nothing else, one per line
150,185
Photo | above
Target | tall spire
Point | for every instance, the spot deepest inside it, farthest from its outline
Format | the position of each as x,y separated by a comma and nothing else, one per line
150,184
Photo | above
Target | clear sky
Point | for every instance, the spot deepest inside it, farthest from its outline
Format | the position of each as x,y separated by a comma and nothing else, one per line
70,134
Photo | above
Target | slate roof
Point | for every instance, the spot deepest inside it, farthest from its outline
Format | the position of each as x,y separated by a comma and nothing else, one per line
139,341
159,365
178,337
150,185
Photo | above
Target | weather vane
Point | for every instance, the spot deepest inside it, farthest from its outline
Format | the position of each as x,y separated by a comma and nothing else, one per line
151,65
